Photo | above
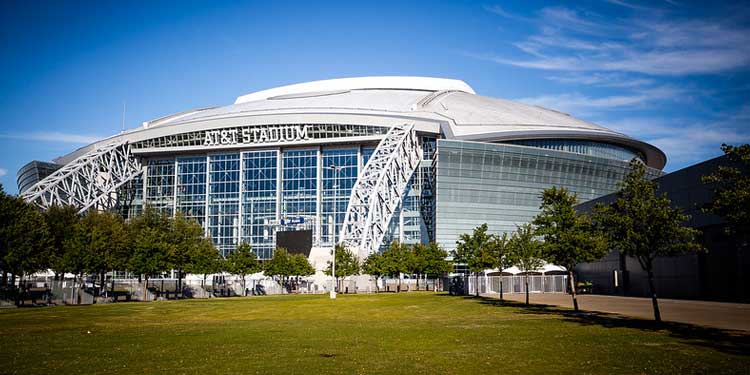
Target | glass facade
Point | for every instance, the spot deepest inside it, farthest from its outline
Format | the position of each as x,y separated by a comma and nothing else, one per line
191,188
224,201
160,185
600,149
501,184
299,190
259,184
245,195
340,168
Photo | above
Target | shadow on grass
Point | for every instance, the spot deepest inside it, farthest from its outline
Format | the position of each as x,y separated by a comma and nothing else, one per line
727,341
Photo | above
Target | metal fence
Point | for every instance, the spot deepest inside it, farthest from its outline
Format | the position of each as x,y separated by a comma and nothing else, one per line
69,291
517,284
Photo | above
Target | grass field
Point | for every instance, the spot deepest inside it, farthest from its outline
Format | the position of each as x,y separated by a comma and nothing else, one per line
385,333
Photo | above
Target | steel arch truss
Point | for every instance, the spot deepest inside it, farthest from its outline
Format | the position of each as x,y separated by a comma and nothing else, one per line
379,190
90,181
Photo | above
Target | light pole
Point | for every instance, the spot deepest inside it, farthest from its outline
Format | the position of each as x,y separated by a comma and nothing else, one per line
336,169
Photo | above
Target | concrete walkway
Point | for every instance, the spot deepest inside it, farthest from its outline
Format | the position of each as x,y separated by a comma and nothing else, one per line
712,314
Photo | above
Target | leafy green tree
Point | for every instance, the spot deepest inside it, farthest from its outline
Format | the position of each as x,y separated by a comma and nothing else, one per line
300,266
375,265
731,199
186,236
280,266
243,262
103,245
643,225
24,238
569,237
204,259
397,260
347,265
475,250
435,262
61,221
503,256
151,246
527,252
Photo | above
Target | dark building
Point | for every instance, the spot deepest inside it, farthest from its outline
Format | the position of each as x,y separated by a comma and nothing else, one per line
33,172
720,273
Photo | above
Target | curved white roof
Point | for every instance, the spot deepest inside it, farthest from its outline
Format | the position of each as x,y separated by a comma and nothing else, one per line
441,106
359,83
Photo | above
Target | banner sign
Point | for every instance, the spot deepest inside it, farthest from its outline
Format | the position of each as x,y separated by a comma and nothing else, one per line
293,221
270,134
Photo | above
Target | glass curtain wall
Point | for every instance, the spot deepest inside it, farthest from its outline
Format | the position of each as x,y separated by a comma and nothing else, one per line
223,201
259,173
337,185
299,185
191,188
160,185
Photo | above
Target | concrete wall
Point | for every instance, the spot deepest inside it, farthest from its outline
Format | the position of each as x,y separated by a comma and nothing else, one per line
720,273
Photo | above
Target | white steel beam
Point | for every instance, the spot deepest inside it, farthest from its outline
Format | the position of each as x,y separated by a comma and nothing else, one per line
90,181
379,189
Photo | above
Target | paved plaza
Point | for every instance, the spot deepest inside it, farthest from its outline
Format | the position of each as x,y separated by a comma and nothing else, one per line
713,314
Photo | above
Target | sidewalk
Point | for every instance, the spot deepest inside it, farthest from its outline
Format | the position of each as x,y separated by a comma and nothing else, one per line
712,314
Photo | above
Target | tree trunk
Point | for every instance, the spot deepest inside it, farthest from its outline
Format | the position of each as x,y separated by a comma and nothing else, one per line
572,283
112,288
4,281
476,285
177,283
103,285
526,281
417,282
244,288
654,302
19,294
501,286
145,288
377,285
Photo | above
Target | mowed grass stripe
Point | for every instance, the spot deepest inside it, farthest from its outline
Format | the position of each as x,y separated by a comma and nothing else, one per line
383,333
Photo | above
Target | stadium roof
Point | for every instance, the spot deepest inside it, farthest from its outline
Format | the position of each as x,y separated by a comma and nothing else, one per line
433,104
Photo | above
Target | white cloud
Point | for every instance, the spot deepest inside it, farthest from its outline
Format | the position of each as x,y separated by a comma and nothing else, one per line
647,43
615,80
3,172
53,137
578,104
683,141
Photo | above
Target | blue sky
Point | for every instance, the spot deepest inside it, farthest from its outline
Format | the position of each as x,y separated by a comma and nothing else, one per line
674,73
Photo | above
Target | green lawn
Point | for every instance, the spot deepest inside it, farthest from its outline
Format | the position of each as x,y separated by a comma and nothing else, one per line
385,333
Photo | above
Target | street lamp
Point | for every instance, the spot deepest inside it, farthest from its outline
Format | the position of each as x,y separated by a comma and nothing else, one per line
336,169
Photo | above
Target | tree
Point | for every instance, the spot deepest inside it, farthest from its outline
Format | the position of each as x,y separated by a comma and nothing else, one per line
61,221
24,239
569,237
527,252
418,261
204,259
151,247
475,250
396,260
643,225
347,264
435,262
503,256
185,235
279,266
300,266
375,266
243,262
103,244
731,198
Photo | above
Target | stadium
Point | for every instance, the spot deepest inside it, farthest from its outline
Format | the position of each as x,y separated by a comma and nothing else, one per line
361,161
